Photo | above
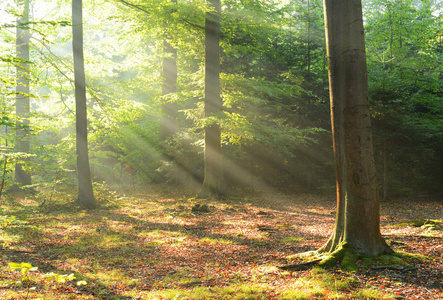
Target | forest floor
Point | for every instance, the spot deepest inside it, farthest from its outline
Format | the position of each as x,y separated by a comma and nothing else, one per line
149,244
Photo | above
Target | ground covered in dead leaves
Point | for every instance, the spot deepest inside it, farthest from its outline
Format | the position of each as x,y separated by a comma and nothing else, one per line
150,244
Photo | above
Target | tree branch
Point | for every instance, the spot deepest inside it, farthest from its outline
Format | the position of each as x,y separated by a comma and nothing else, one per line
147,12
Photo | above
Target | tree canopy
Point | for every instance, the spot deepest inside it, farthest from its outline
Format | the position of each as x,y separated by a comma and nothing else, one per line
273,83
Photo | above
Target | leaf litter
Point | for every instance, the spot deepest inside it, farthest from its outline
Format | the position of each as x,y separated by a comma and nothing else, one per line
153,245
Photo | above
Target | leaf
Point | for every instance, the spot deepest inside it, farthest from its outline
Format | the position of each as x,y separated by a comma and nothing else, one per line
81,282
23,267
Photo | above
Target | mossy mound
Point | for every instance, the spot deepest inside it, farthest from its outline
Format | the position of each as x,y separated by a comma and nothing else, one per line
428,224
392,260
343,254
200,208
349,260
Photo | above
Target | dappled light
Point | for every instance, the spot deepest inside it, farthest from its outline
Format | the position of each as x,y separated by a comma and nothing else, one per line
151,244
221,149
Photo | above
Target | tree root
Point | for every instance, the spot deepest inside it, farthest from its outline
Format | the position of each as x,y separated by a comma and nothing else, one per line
344,254
300,267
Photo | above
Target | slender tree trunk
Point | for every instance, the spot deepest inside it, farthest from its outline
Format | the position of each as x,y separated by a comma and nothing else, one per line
391,35
309,39
85,190
310,164
22,99
168,122
5,165
358,208
214,181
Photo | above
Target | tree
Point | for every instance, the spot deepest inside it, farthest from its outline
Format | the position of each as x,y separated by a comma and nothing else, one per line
85,191
404,67
22,177
214,181
358,209
168,123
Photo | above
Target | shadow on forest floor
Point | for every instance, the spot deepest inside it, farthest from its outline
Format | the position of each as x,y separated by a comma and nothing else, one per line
151,245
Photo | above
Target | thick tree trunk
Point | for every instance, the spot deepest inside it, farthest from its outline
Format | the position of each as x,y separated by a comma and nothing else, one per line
214,182
85,190
22,99
168,122
358,211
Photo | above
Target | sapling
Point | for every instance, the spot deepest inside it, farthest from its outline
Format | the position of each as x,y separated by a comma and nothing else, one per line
25,268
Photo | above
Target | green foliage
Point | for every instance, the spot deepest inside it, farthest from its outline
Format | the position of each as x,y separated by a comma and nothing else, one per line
27,280
6,221
24,268
403,41
274,87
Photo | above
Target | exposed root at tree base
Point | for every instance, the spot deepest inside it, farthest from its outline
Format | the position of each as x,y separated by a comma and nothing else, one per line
343,254
300,267
346,258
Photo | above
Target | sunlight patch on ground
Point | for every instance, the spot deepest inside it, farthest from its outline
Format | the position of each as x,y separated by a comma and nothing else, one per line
228,253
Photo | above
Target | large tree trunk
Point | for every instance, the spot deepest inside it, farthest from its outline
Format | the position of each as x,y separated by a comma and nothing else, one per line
168,122
22,98
85,191
214,182
358,208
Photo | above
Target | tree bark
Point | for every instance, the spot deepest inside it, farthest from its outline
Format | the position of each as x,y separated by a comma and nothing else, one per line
168,122
358,208
385,170
85,190
214,181
22,177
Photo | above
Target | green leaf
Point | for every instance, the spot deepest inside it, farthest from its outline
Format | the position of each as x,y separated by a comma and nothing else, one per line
81,282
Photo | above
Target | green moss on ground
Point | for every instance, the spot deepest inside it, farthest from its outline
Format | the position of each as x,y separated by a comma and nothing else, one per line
343,253
391,260
425,223
351,261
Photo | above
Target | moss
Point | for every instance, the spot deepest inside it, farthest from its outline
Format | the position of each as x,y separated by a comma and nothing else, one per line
393,260
349,260
431,227
343,250
409,256
200,208
420,223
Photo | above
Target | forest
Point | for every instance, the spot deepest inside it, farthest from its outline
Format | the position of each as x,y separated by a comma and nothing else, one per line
221,149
